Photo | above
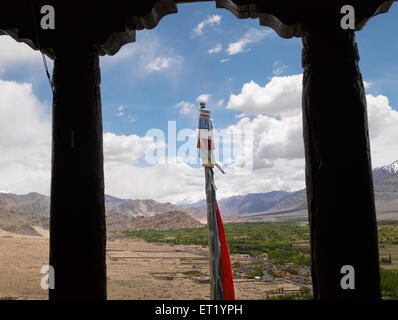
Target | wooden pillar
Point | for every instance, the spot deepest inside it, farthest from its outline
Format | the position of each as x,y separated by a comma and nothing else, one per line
338,164
77,218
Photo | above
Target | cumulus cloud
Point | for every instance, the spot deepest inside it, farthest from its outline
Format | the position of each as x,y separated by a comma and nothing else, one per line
185,107
25,132
177,181
278,157
216,49
278,128
251,36
279,174
162,182
205,97
160,63
210,21
280,96
383,130
16,54
274,138
126,148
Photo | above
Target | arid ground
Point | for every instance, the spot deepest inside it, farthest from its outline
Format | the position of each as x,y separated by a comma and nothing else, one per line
136,270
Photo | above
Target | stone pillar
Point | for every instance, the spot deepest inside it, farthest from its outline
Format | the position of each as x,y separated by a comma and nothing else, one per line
77,216
338,164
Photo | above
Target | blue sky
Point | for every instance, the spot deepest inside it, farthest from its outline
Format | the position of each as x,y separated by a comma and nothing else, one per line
249,75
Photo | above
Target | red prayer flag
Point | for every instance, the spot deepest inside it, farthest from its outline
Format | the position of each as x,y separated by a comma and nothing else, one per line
225,263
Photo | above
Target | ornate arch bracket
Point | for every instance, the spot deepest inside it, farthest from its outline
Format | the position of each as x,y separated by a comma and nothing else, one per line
285,17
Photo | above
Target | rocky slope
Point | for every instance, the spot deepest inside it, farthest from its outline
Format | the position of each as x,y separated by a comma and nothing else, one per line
164,220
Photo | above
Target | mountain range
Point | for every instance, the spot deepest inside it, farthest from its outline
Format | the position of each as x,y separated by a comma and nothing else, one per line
258,203
36,204
283,203
19,213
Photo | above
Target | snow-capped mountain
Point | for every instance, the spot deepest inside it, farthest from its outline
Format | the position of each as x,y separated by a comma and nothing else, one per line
385,180
187,202
391,169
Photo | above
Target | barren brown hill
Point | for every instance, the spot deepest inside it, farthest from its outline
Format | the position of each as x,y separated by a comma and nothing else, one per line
21,223
197,214
165,220
147,207
34,204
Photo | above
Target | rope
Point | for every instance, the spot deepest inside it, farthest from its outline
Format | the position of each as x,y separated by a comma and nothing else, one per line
50,81
39,47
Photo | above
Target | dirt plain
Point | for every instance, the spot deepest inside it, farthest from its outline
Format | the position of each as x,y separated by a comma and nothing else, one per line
136,270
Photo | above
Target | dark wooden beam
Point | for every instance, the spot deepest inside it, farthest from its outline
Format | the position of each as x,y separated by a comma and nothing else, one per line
77,217
338,163
112,24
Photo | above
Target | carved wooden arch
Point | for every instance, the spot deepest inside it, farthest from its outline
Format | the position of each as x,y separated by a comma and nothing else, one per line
285,17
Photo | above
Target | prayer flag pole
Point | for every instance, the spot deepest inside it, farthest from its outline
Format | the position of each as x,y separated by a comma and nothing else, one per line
221,282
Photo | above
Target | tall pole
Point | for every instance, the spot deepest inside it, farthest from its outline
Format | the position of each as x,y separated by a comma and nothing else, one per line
206,156
210,225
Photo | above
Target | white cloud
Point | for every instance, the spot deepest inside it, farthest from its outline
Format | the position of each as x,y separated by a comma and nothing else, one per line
185,107
282,137
280,96
251,36
162,182
126,148
25,143
120,113
210,21
160,63
279,68
216,49
220,102
274,138
15,54
142,59
367,84
205,97
383,130
25,147
130,118
224,60
279,174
